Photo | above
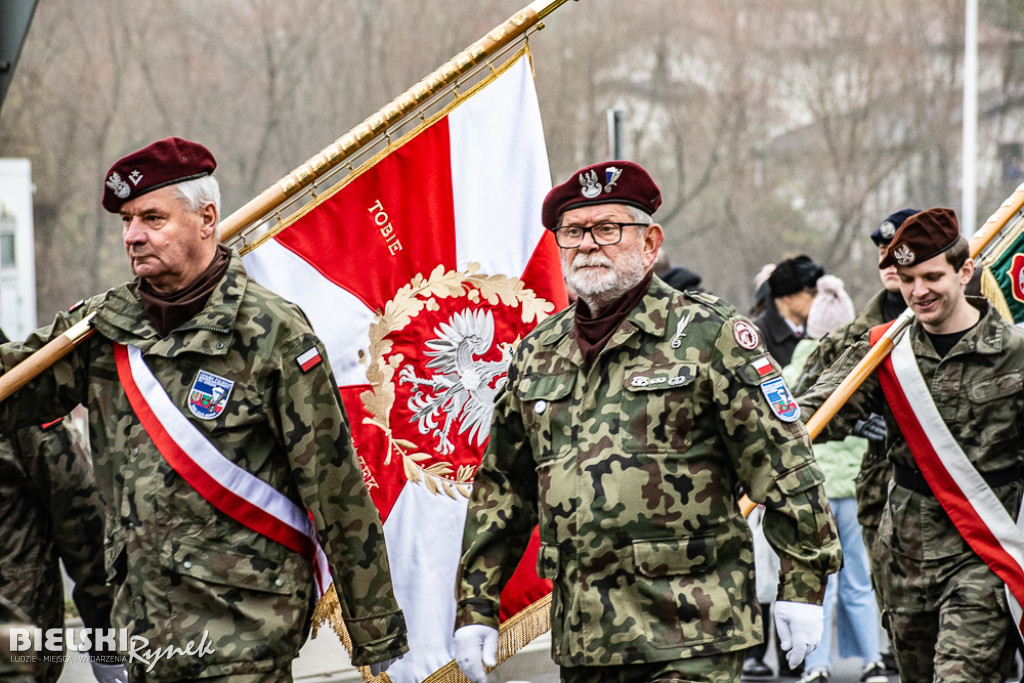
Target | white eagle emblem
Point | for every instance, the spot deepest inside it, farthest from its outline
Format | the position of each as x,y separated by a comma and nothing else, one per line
591,185
116,183
903,255
463,388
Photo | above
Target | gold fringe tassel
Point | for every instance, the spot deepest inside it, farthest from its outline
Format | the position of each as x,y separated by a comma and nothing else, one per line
990,289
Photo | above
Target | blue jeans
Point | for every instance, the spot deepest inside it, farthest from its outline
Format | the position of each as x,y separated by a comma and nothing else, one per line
849,598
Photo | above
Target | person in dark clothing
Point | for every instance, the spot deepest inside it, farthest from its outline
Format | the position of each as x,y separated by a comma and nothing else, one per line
791,291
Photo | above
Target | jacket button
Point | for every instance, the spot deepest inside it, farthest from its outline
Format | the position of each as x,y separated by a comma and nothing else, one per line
278,583
186,564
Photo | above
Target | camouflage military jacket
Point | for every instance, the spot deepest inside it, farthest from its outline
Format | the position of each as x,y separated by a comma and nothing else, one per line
186,570
631,469
978,389
51,512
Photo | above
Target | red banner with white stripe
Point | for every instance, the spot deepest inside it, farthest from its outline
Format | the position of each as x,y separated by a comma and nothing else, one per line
233,490
964,494
419,275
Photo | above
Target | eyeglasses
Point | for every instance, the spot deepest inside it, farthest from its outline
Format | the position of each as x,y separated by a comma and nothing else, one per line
603,234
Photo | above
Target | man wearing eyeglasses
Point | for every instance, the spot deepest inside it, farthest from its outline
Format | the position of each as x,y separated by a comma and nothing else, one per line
624,428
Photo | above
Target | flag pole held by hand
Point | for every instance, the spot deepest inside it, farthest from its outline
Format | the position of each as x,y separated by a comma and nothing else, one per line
28,369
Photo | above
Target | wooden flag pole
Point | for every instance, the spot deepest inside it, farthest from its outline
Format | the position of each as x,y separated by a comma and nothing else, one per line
344,147
869,363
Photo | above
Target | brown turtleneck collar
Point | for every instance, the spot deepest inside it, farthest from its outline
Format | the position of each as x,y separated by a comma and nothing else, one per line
592,334
168,311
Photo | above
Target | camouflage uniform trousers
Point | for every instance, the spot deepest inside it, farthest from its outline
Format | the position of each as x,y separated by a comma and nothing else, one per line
719,668
949,619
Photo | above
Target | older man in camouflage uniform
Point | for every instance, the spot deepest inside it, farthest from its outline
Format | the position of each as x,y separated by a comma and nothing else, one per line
194,370
52,513
946,609
624,429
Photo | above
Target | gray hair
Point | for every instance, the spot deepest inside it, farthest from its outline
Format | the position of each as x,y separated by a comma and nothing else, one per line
639,215
198,192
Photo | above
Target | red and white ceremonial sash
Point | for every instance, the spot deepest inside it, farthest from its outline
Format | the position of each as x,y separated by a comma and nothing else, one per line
964,494
236,492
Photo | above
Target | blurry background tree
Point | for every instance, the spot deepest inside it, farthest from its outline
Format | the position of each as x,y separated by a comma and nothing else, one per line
774,127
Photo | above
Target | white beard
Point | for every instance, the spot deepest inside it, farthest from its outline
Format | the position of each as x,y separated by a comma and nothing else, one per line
599,287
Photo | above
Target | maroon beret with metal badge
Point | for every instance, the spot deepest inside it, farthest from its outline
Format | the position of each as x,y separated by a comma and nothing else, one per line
922,236
611,182
165,162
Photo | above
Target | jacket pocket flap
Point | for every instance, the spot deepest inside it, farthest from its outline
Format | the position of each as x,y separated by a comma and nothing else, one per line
544,387
217,566
800,478
694,555
997,387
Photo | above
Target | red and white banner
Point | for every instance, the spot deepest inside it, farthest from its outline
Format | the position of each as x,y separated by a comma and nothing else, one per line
419,275
964,494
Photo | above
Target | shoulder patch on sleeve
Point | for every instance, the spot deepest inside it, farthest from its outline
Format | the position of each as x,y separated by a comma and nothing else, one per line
746,335
309,359
780,400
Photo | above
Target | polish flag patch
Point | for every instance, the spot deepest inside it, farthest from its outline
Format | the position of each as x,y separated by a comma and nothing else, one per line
308,359
763,366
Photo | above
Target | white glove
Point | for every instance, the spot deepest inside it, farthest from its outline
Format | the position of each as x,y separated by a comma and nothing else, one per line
108,673
799,625
476,646
377,668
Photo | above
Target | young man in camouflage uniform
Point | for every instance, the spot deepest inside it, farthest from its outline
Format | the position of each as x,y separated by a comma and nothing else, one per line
946,609
624,428
231,379
52,513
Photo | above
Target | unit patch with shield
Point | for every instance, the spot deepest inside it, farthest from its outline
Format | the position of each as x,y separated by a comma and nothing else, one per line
781,401
209,395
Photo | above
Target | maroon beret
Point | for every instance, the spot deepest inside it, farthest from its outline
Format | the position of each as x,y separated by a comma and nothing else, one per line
611,182
923,236
165,162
